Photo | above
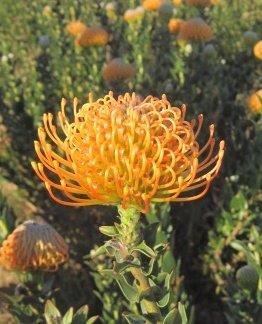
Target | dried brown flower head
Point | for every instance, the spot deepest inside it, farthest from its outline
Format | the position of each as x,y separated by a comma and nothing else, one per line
33,245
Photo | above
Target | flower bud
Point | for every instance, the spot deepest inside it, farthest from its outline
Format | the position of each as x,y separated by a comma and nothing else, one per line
247,277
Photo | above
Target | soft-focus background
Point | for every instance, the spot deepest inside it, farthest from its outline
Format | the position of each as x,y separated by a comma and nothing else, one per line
41,62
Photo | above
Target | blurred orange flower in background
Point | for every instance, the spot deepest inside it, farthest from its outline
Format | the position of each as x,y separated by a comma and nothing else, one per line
254,102
33,245
152,5
92,36
258,50
125,151
195,29
117,69
177,2
132,15
76,27
174,25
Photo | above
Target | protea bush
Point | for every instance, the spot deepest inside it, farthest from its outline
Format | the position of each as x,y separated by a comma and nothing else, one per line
136,198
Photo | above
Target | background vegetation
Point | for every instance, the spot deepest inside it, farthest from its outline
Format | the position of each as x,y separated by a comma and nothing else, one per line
211,239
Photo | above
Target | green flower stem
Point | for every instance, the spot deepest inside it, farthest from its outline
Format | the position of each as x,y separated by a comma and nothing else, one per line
130,236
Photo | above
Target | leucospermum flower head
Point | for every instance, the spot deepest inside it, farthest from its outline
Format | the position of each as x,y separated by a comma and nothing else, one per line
117,69
33,245
195,29
174,25
258,50
132,15
254,102
76,27
152,5
92,36
125,151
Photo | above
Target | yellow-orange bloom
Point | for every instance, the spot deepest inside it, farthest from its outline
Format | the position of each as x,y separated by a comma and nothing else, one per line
174,25
254,102
33,245
117,69
152,5
258,50
76,27
177,2
195,29
92,36
125,151
132,15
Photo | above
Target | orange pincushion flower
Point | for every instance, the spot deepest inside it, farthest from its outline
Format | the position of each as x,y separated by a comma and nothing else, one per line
117,69
174,25
254,102
76,27
152,4
195,29
258,50
33,245
126,151
132,15
93,36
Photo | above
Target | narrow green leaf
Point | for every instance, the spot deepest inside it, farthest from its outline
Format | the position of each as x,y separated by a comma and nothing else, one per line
126,265
164,301
99,251
130,292
67,319
108,230
182,312
134,319
92,319
170,317
52,314
80,316
152,293
145,249
149,233
168,262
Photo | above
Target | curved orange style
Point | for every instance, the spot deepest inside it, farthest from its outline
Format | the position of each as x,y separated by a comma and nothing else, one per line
125,151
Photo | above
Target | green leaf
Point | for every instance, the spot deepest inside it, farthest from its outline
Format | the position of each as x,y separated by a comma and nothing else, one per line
145,249
238,202
92,319
123,266
52,314
239,246
182,312
149,233
108,230
67,319
150,267
170,317
80,316
134,319
192,315
152,293
164,301
99,251
168,262
166,297
130,292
